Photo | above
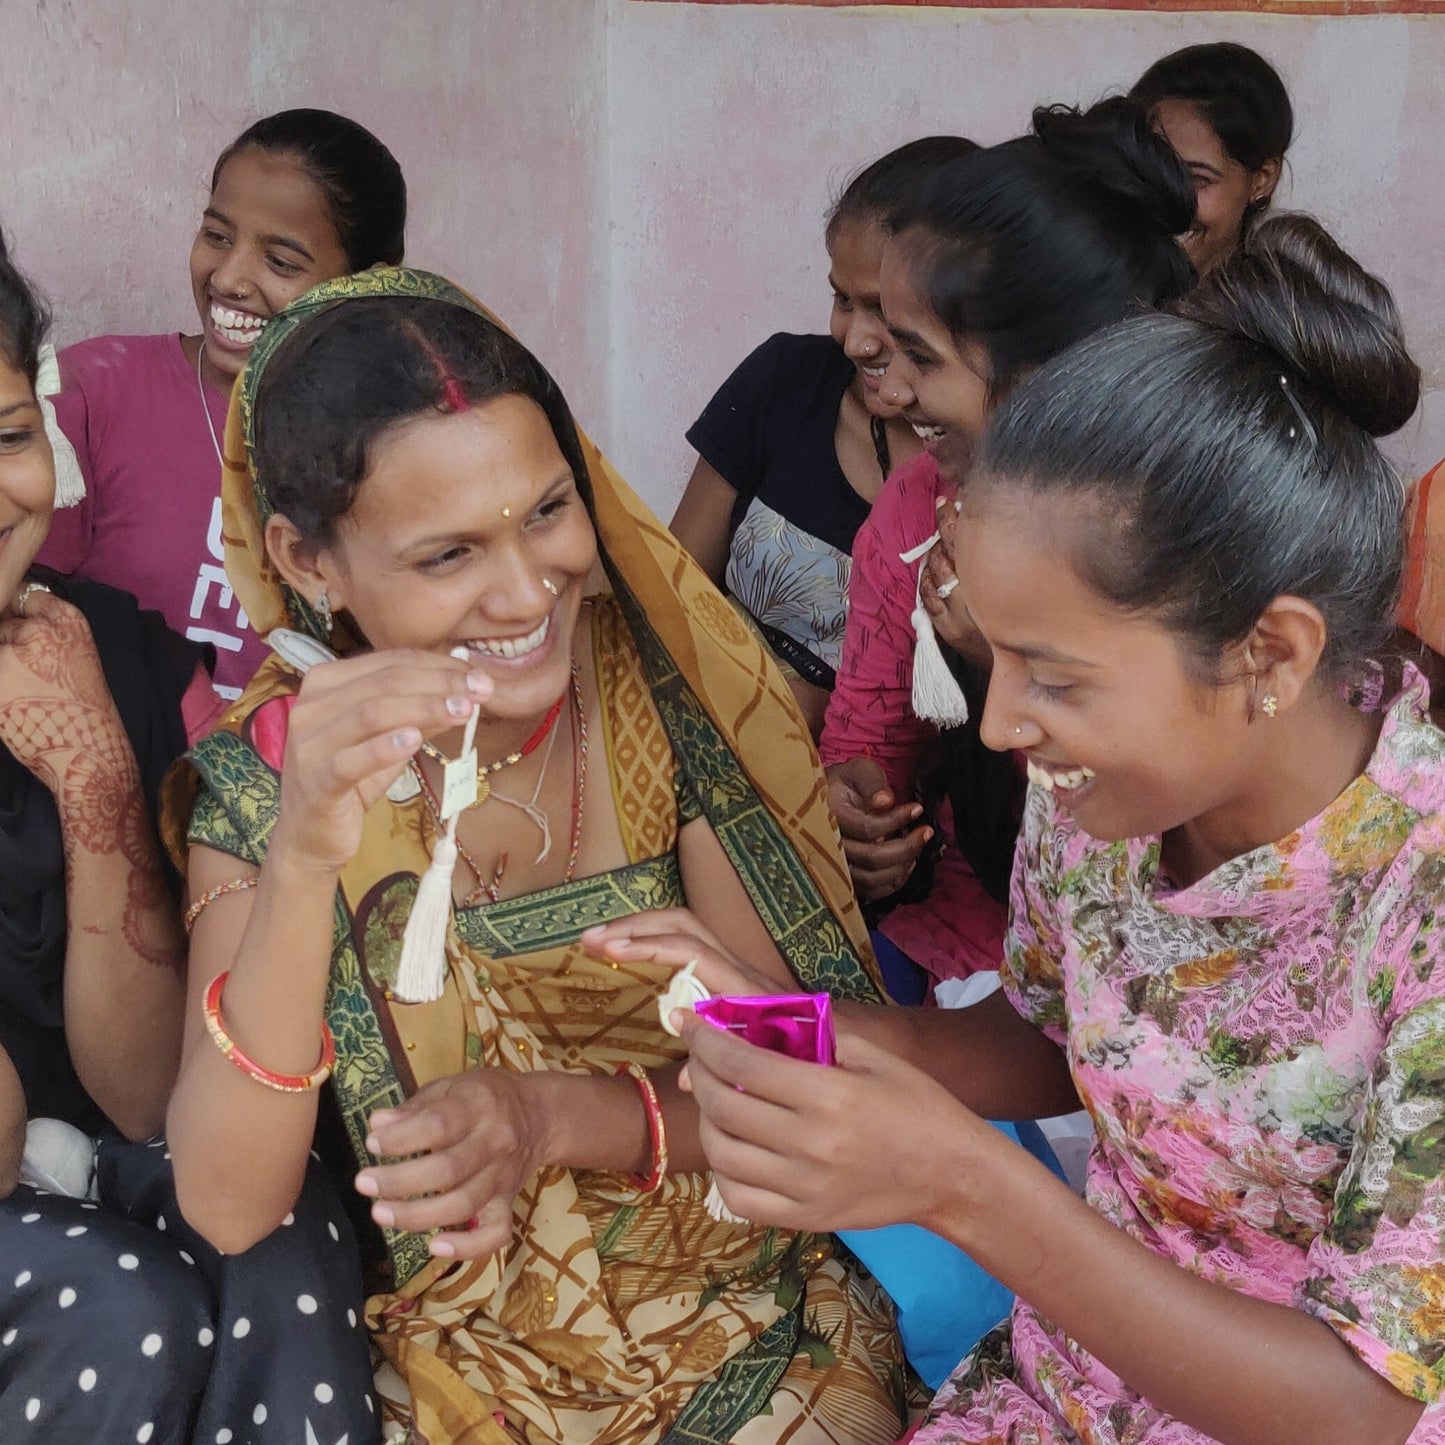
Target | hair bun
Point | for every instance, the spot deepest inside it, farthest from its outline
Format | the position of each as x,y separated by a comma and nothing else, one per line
1113,145
1294,290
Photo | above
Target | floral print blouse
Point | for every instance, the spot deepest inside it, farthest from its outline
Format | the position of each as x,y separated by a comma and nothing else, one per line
1263,1057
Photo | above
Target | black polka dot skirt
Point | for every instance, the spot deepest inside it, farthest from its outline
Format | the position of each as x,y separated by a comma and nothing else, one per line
118,1323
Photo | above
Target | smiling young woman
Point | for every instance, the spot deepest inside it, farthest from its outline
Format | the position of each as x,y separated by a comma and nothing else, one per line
299,197
797,443
1224,109
552,1271
1183,546
1002,260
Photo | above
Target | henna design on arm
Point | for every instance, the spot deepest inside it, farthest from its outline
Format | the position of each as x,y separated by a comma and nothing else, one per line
80,752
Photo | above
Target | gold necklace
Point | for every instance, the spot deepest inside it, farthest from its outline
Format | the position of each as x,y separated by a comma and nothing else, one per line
491,889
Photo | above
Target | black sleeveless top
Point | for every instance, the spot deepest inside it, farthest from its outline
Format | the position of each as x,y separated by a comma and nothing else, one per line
148,669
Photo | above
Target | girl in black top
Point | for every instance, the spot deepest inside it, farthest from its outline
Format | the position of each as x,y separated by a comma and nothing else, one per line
796,445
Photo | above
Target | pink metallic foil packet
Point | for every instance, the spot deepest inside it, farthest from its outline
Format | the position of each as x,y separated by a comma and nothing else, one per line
798,1025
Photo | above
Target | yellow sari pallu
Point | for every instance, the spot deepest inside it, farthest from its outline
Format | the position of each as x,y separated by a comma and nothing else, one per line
612,1317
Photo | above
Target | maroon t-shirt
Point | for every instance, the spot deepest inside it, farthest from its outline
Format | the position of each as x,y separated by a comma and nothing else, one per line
150,523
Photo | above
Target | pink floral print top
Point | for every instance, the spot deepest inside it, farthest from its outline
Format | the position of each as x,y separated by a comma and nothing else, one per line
1263,1057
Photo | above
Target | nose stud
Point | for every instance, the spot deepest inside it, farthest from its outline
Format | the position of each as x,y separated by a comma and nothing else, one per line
1018,732
551,586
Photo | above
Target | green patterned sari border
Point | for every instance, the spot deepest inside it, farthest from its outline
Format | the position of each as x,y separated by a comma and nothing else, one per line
782,890
743,1386
556,917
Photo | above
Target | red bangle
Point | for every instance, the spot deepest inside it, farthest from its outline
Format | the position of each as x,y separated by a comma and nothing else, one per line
656,1129
286,1083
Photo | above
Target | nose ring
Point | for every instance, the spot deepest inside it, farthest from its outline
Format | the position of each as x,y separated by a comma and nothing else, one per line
551,586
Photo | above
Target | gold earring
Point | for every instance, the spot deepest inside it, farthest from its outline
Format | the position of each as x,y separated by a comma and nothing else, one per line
1269,704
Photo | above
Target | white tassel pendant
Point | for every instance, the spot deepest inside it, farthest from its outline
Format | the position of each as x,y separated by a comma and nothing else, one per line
421,973
937,697
685,990
69,479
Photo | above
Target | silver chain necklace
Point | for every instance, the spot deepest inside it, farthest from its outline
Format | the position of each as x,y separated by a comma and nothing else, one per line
206,406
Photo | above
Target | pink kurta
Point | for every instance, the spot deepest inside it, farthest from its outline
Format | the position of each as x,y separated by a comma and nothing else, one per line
1263,1055
958,928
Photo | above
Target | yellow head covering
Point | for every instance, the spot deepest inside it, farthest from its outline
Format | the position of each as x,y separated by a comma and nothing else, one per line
663,589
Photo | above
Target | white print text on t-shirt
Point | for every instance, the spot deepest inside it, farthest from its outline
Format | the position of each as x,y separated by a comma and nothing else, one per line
213,574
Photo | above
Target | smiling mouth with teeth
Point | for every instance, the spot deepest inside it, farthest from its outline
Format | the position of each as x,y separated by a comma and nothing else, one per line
876,372
929,433
239,327
512,646
1066,780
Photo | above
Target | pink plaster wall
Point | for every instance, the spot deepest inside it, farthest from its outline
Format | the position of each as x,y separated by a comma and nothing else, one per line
638,188
493,107
731,125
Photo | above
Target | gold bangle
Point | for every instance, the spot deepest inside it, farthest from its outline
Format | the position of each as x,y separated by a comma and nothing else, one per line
236,885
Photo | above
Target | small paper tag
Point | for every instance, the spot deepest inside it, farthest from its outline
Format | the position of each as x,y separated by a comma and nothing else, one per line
459,784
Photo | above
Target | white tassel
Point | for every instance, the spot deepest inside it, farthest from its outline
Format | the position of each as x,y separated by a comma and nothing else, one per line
937,697
69,479
421,974
685,990
719,1211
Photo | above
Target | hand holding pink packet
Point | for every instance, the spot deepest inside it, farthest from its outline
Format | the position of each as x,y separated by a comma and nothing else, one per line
797,1025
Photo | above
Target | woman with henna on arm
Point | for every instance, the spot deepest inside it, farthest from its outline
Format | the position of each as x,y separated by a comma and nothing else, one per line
91,956
116,1322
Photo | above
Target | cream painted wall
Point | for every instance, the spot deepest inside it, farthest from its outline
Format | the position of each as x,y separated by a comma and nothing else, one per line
730,126
639,187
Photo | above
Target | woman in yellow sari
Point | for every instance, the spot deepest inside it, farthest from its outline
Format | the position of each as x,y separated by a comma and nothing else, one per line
404,483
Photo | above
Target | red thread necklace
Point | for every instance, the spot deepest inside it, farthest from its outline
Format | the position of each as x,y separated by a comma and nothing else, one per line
484,773
491,889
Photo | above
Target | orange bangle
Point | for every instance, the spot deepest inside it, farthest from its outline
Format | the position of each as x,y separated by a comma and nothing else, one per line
285,1083
656,1129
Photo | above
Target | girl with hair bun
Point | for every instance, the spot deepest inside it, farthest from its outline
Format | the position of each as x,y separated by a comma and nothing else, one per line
297,198
1183,546
1005,258
1224,109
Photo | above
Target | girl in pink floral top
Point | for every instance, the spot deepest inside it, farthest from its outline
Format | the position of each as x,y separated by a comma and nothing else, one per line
1226,936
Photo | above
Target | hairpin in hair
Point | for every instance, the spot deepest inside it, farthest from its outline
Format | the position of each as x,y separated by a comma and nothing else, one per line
1299,411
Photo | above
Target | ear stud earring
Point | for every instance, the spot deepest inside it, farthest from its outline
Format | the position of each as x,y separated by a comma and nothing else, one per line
1269,704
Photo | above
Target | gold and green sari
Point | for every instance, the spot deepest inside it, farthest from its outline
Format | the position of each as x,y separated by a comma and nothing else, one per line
612,1316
